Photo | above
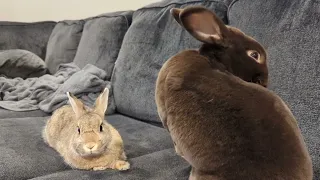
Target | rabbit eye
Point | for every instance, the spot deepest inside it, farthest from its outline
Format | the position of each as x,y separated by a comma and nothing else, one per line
78,130
101,128
254,54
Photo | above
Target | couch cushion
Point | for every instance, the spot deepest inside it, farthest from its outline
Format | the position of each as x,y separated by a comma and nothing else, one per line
161,165
152,38
25,155
63,43
101,40
289,30
21,63
29,36
4,113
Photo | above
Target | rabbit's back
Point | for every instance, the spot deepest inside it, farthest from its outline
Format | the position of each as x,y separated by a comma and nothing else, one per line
223,124
221,117
59,127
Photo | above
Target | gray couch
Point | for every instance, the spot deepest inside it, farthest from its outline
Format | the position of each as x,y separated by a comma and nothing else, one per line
131,46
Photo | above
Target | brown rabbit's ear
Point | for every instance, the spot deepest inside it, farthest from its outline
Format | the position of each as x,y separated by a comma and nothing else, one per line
175,12
202,24
76,105
101,104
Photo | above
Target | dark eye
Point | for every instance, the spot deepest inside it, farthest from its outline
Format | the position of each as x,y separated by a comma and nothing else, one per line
78,130
101,128
255,55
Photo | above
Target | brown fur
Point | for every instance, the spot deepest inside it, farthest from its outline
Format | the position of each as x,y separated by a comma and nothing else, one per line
61,133
220,116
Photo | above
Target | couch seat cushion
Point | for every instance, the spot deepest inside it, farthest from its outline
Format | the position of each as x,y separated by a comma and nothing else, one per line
4,113
160,165
290,32
25,155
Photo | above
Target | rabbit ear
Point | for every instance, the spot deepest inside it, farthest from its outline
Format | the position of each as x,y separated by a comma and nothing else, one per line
101,104
175,12
202,24
76,105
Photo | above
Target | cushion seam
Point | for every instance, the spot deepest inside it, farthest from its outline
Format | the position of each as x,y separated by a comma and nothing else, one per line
177,3
151,153
139,120
77,22
106,16
229,8
25,24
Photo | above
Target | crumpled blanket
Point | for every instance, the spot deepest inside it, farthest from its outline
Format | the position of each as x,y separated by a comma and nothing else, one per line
48,92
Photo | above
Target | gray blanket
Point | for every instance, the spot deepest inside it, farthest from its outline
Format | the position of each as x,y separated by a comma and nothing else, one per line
48,92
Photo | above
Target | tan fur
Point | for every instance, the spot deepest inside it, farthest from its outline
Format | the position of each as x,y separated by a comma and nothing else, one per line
221,118
61,133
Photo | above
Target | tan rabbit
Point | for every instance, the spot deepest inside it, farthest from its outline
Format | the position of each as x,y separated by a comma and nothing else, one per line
83,138
221,118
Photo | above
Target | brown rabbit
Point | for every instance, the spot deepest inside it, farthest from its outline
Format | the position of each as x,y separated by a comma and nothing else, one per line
83,138
221,118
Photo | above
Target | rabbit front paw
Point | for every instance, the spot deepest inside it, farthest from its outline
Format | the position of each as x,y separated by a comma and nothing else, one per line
101,168
121,165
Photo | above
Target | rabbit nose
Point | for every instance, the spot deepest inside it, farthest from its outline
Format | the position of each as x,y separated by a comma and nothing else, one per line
90,145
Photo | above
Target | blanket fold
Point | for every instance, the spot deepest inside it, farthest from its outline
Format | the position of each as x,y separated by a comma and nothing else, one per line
48,92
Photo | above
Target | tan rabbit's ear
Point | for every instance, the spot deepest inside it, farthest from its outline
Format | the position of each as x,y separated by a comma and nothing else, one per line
202,24
76,105
101,104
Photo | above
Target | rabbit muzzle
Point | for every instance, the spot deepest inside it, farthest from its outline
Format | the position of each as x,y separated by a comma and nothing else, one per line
90,144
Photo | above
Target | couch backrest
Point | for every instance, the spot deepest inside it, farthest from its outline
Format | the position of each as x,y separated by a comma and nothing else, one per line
152,38
101,40
289,29
29,36
95,40
63,43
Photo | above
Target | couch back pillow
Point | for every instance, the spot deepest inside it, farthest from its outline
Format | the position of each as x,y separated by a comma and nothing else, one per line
101,40
21,63
289,30
28,36
152,38
63,43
